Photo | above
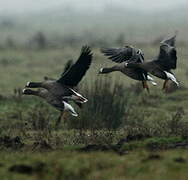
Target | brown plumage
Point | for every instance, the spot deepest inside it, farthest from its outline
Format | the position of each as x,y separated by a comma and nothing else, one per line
125,55
56,102
63,87
58,92
161,65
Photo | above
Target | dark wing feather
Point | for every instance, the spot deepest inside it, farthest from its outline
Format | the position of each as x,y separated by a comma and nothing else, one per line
167,57
163,51
170,41
137,58
68,65
173,59
74,75
119,55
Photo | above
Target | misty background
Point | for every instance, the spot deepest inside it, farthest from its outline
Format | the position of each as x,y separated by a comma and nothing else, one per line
138,21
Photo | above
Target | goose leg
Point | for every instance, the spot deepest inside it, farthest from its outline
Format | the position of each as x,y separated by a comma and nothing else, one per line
165,85
145,86
59,120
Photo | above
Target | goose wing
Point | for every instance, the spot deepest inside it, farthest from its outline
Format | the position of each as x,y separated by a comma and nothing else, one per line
119,55
76,72
170,41
167,57
67,66
137,58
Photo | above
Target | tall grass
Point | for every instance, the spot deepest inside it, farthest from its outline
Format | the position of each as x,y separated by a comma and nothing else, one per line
107,107
113,111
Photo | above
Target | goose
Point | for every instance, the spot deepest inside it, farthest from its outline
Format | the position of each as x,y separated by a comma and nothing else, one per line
122,56
58,92
161,65
68,64
63,87
56,102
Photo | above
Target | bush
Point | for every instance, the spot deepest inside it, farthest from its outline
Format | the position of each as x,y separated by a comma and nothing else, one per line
107,106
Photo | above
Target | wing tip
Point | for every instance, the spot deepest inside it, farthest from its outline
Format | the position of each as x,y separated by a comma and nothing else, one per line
170,40
86,50
103,49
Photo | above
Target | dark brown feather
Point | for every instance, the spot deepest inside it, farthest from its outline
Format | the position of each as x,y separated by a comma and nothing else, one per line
75,73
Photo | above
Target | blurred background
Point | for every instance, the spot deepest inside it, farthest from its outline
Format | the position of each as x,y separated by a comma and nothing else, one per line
94,22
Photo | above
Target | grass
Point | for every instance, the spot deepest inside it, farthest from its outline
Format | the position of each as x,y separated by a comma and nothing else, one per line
159,116
25,65
97,165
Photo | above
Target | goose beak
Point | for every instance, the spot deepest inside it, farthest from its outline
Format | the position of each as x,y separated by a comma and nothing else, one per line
100,71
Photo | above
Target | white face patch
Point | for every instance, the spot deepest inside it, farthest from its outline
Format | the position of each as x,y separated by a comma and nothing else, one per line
126,63
28,84
68,107
171,77
101,70
23,91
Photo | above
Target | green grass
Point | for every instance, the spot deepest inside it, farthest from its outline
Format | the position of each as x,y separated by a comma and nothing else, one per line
73,165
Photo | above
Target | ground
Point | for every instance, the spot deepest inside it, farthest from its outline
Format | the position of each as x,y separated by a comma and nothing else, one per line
70,164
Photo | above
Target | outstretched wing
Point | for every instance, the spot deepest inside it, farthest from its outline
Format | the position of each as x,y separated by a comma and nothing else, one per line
167,57
68,65
119,55
137,58
74,75
170,41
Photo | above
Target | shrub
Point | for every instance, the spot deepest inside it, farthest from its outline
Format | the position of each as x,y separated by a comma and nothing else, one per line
107,106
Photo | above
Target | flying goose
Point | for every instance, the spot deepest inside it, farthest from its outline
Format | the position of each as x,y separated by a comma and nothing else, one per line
59,92
56,102
124,55
63,87
161,65
66,68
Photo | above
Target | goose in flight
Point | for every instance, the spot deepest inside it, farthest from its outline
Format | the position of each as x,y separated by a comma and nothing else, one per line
59,92
125,55
161,65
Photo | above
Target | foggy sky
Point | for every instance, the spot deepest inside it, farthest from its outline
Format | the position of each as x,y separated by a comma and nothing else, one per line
27,6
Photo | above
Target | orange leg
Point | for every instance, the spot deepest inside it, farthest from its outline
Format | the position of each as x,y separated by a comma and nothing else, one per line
145,86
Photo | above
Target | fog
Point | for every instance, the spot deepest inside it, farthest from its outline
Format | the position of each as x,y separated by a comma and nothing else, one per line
30,6
137,20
